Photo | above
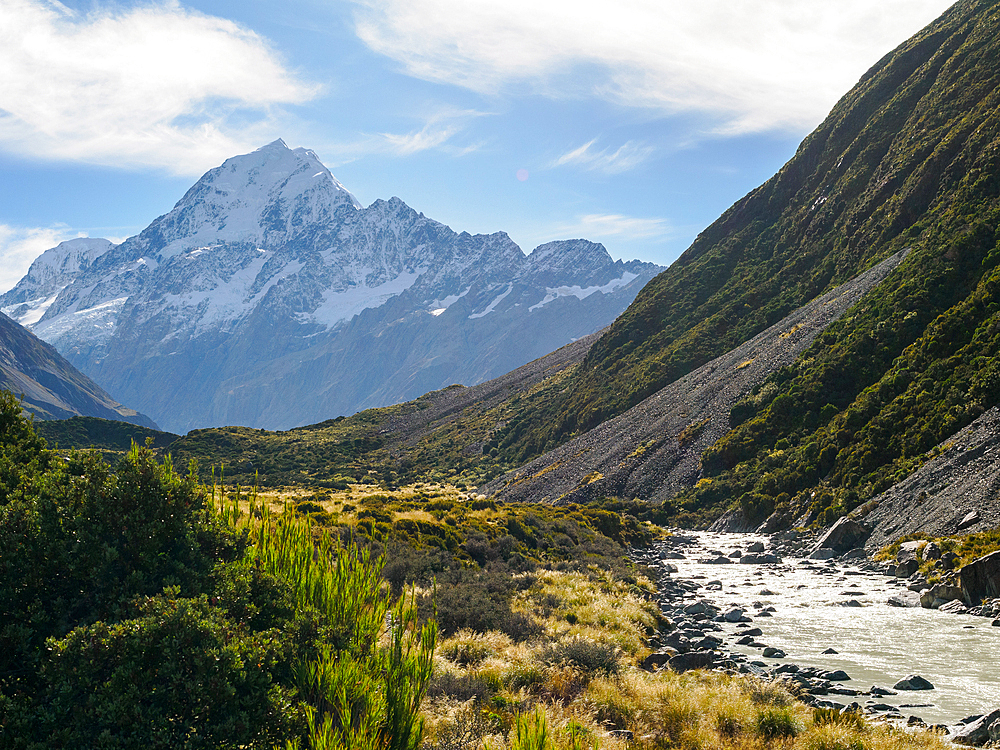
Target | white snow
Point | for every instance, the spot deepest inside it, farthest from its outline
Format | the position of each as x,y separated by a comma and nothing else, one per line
342,305
438,306
100,320
36,309
552,294
492,306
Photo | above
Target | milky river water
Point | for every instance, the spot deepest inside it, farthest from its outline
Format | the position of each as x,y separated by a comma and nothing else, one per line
876,644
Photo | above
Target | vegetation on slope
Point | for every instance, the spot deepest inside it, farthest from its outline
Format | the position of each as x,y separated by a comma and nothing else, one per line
909,158
133,615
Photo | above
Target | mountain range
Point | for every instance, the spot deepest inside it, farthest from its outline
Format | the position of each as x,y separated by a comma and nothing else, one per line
269,297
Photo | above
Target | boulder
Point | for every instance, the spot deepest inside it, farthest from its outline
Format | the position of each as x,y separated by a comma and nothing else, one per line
913,682
932,552
773,653
657,660
904,599
980,579
844,535
907,568
947,561
976,733
837,675
909,551
940,593
755,548
693,660
823,553
971,519
777,521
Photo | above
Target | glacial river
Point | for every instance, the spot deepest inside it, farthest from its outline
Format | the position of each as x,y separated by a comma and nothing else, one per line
877,644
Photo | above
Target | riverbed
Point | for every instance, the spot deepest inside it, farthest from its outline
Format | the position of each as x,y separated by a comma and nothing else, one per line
815,608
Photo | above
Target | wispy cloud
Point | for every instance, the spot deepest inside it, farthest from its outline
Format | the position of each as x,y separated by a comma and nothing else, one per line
625,158
616,225
19,246
438,131
154,85
753,65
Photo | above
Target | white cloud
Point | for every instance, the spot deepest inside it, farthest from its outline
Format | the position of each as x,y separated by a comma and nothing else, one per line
616,225
754,64
155,85
19,246
628,156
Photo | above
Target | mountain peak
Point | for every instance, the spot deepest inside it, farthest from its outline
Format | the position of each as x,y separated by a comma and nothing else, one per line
264,197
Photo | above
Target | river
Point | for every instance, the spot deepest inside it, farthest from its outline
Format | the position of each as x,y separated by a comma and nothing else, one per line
876,644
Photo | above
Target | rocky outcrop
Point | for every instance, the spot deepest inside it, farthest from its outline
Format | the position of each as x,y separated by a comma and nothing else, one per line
980,579
954,491
844,535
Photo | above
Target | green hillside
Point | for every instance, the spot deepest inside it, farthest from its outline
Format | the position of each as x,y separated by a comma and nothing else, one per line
909,158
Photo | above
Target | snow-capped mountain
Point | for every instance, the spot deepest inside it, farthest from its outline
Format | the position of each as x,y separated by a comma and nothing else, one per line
270,297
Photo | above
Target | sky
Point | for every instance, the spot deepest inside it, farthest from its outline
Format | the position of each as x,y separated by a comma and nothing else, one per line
633,123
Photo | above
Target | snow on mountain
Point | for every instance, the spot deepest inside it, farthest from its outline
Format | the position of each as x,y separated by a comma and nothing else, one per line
269,297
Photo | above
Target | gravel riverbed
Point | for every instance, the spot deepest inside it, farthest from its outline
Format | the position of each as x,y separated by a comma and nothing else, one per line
757,604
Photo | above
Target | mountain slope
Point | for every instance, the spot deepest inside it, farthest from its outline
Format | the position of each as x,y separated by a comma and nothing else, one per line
51,387
910,158
269,297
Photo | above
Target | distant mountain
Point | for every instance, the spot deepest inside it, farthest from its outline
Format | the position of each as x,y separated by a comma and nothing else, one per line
50,386
269,297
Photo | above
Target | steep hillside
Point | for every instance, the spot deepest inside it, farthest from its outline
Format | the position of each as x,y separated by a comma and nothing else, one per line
269,297
653,450
908,159
51,387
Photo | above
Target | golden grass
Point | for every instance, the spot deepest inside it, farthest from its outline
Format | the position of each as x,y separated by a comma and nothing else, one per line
663,710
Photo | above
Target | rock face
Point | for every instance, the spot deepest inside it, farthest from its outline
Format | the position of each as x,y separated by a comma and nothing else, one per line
50,386
269,297
978,732
980,579
844,535
956,488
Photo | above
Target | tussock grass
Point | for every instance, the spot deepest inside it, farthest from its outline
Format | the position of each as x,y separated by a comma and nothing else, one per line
579,705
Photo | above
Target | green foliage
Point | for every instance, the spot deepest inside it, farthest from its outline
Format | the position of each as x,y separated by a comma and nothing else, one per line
133,614
112,439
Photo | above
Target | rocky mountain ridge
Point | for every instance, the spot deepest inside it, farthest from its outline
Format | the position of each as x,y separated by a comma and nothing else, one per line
49,386
269,297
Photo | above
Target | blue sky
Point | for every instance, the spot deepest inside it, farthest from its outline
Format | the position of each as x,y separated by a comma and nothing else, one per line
634,123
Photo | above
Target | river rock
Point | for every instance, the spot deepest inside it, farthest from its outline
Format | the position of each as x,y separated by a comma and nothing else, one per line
954,607
980,579
940,593
837,675
907,568
913,682
693,660
824,553
759,559
734,615
904,599
720,560
755,548
773,653
844,535
976,733
881,692
909,551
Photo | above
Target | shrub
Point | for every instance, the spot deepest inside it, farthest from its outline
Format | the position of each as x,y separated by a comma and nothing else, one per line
774,722
590,657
